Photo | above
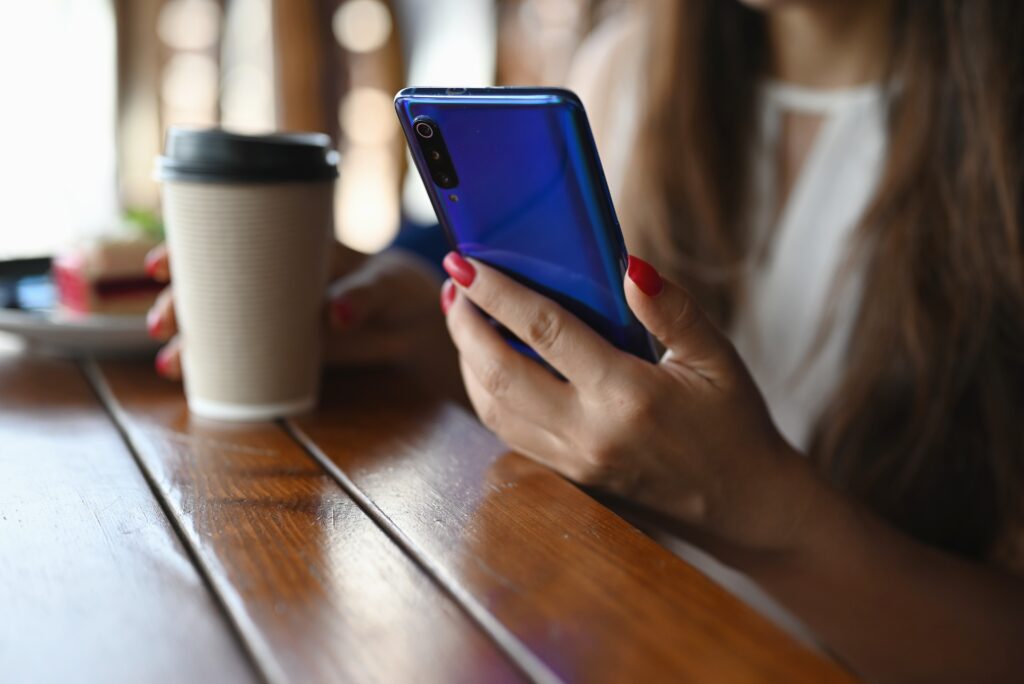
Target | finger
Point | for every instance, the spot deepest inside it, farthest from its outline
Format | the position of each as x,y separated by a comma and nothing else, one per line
675,318
157,264
519,433
448,294
353,299
525,437
507,376
340,314
161,322
375,290
168,360
569,345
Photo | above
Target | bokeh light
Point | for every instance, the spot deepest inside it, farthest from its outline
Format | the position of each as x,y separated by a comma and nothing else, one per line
367,116
190,83
248,100
246,95
367,199
362,25
189,24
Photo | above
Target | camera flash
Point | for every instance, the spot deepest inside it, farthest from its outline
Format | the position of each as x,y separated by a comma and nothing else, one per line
453,197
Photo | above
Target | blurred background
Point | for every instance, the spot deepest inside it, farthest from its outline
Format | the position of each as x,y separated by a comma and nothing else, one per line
90,86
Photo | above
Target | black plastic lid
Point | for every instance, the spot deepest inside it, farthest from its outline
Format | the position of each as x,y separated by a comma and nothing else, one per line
213,155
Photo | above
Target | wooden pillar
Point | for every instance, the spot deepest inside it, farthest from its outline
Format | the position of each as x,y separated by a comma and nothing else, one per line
308,84
139,64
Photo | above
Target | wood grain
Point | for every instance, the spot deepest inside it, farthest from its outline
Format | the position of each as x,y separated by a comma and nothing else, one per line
94,583
588,595
317,588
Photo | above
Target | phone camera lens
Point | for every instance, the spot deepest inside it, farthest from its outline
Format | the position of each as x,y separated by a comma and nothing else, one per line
435,155
445,179
424,130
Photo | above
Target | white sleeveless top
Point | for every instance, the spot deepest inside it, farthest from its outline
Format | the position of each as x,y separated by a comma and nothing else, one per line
795,318
791,290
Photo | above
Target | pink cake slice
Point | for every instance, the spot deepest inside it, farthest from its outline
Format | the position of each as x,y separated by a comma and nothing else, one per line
106,276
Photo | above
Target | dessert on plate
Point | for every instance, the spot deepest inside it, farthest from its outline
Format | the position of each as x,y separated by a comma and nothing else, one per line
106,274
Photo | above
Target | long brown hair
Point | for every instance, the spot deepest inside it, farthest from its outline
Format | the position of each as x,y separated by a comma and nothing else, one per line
927,425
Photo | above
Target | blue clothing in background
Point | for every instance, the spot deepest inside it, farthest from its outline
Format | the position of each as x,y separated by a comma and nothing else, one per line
427,241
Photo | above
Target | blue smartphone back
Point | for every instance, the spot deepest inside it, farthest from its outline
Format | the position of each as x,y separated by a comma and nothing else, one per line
531,197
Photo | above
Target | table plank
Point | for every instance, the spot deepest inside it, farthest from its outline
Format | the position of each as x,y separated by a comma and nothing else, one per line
318,589
535,559
94,583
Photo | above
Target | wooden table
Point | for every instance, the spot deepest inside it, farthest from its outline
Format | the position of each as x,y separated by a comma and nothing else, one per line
385,538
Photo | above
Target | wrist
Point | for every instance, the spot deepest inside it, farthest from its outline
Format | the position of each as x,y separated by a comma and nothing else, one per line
772,507
807,518
805,496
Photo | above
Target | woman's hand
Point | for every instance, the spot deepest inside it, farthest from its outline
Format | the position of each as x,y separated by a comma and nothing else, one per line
385,312
689,437
381,310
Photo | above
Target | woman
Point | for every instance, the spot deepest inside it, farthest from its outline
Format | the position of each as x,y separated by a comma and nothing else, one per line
839,185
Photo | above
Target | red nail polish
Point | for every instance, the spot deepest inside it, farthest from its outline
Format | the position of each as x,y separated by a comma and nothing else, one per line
459,269
163,362
343,314
154,325
447,296
645,277
152,265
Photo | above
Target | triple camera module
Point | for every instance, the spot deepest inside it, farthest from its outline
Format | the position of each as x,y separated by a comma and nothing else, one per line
428,134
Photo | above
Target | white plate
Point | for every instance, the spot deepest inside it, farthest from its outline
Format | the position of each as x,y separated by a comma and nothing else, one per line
64,334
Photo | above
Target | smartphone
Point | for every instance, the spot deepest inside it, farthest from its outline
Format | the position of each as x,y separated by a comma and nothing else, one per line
515,179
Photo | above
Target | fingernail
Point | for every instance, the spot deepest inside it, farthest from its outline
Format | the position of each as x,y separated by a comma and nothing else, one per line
154,324
163,363
154,267
644,276
459,269
342,310
447,296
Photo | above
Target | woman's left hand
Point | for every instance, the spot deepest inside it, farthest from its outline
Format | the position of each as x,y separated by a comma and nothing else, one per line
689,437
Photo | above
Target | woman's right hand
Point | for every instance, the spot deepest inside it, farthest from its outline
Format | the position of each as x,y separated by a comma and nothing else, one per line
381,310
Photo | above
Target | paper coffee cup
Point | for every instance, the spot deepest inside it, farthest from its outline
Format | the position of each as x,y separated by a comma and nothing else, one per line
249,222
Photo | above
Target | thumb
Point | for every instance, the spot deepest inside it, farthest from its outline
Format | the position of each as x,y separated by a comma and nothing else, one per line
673,316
